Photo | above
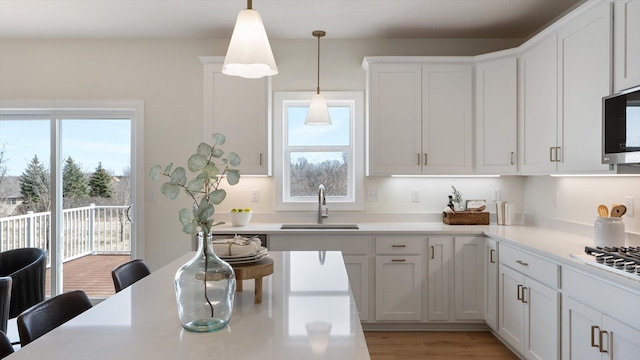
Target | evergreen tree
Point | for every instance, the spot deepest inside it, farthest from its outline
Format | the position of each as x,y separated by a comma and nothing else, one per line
100,183
74,184
34,184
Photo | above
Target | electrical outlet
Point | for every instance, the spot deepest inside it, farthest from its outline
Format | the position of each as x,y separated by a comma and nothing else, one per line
497,195
373,195
255,195
628,202
415,196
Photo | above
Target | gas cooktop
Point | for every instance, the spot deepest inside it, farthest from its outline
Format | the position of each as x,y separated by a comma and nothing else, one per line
621,260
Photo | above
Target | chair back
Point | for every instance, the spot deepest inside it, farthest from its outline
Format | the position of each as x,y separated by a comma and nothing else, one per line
26,267
51,313
128,273
6,348
5,301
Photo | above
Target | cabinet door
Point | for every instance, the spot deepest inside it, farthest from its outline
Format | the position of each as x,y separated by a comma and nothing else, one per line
496,116
626,44
395,119
440,272
625,340
358,272
238,108
469,278
542,321
511,317
577,332
538,110
584,48
398,287
491,283
446,119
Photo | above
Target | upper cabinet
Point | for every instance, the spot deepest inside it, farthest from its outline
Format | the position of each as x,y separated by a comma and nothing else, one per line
239,108
419,115
496,114
626,44
563,78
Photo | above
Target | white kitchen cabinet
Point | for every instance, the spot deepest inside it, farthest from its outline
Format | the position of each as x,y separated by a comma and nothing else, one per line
584,65
597,319
496,113
234,105
529,310
455,284
419,115
626,55
491,283
355,252
563,78
399,278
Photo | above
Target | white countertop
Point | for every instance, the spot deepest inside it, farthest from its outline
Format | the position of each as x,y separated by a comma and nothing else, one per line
550,244
307,312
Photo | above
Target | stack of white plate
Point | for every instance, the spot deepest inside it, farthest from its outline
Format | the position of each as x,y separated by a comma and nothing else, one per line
246,258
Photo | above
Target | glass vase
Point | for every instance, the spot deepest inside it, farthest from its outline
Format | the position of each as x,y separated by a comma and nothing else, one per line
205,290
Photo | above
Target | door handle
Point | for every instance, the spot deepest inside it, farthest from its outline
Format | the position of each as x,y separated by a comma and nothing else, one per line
519,291
551,154
260,159
418,159
602,350
433,252
425,159
492,256
557,153
511,158
524,295
593,337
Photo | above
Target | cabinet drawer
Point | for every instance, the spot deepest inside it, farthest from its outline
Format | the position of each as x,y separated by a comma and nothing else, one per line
399,245
531,265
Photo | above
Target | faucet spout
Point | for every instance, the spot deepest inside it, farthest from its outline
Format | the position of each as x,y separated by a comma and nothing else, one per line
323,211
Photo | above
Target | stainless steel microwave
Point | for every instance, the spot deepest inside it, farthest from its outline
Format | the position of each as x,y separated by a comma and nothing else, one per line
621,127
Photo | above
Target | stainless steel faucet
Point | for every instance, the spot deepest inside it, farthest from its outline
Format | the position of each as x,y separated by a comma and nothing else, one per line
323,210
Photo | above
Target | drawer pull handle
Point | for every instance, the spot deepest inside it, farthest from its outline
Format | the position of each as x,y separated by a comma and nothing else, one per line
492,258
602,350
593,337
522,263
398,246
398,260
519,292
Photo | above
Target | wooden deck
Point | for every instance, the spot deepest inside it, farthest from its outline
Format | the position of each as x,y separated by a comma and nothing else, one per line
91,273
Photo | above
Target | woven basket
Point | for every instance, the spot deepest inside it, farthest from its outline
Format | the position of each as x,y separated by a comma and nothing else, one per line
466,218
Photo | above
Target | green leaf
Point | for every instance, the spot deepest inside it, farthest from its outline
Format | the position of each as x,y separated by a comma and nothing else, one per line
188,228
204,149
154,172
196,162
233,177
217,153
167,170
185,216
212,170
218,223
218,139
217,196
195,185
234,159
170,190
203,175
178,177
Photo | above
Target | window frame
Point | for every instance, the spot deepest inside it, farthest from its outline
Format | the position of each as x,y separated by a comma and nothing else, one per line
284,99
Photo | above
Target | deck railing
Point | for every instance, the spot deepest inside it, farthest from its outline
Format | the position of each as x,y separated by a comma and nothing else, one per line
85,230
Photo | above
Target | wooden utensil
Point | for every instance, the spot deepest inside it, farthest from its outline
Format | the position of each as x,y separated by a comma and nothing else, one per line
618,210
603,211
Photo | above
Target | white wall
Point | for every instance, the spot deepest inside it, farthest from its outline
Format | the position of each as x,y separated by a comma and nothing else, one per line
167,76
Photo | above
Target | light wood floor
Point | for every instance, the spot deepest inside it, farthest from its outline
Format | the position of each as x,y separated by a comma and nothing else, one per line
436,345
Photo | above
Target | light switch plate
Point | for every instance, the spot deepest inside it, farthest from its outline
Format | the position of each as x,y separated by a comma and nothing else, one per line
628,202
415,196
373,194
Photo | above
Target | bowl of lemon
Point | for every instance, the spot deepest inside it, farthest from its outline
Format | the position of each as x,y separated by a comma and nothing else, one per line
240,217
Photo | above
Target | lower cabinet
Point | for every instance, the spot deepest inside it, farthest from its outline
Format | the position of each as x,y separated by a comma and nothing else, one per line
491,283
591,328
529,315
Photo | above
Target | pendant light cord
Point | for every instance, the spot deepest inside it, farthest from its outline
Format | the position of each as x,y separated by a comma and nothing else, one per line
249,5
318,34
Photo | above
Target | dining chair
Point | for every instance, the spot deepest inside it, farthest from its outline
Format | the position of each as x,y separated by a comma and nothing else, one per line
128,273
26,267
51,313
5,301
6,348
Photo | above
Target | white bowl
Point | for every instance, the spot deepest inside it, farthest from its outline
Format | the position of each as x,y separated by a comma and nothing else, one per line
240,218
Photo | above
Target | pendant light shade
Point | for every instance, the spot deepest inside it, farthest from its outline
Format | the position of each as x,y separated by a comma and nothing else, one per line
318,110
249,54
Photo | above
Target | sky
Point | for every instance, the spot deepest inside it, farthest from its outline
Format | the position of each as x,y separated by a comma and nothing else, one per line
88,142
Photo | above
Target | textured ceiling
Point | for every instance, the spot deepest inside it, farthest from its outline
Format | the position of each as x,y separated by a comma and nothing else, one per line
284,19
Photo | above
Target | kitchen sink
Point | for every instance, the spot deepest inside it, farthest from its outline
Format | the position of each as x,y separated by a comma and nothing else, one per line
319,226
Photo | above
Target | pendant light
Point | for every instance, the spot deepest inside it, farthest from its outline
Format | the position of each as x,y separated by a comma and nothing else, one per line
249,54
318,111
